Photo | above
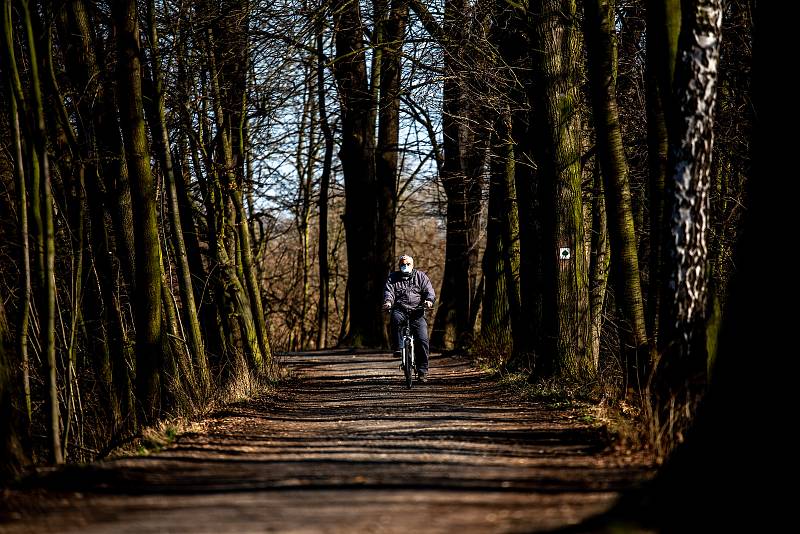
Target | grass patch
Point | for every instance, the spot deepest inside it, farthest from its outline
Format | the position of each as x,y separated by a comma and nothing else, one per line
157,437
188,416
555,392
622,425
595,403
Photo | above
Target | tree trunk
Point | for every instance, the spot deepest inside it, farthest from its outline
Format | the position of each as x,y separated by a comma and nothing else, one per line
110,345
201,381
365,273
683,321
177,377
15,420
324,185
22,207
143,194
231,296
393,34
11,72
263,362
601,47
99,131
77,218
218,309
697,483
511,237
236,324
464,151
521,227
663,27
233,51
209,307
495,320
13,456
305,174
598,266
189,229
100,118
529,347
556,59
44,197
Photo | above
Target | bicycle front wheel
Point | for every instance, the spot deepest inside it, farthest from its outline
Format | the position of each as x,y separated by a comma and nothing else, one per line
407,368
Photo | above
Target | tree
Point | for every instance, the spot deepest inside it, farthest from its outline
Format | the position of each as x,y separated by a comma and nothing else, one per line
601,48
522,228
105,171
663,27
392,32
496,326
14,455
361,218
42,196
698,485
149,357
682,334
243,297
465,147
201,382
324,188
14,91
232,150
598,265
565,266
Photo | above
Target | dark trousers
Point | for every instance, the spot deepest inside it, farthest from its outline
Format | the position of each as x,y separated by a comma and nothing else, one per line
419,330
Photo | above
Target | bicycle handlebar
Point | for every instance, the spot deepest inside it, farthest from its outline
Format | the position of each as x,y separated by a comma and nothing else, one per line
416,308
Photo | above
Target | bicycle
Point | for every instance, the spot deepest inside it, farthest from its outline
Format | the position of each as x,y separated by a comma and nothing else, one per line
407,361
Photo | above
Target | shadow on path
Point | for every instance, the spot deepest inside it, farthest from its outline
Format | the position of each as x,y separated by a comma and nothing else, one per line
345,447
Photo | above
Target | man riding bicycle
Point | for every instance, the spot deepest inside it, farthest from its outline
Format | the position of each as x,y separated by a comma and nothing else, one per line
406,290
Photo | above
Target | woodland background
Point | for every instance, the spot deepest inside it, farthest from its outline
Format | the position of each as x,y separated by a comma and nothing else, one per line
188,189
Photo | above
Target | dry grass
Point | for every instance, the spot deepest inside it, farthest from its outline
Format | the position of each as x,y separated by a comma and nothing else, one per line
190,416
158,436
599,401
664,424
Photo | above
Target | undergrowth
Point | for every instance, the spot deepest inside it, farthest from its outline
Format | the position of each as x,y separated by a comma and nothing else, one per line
598,402
189,416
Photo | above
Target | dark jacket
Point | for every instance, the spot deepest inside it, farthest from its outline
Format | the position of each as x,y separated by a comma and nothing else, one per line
408,292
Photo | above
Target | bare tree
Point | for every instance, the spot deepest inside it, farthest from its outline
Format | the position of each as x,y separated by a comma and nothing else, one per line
149,357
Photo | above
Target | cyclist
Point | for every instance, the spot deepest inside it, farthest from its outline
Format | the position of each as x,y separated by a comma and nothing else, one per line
406,290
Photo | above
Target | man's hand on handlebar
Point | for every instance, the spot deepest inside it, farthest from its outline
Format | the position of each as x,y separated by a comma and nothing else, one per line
428,304
387,306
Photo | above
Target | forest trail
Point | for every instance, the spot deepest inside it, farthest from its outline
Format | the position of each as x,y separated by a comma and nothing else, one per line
344,447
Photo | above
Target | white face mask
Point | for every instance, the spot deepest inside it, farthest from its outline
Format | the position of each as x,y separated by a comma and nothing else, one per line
405,268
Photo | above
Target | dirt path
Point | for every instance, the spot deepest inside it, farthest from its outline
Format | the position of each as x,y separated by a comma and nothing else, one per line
346,448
